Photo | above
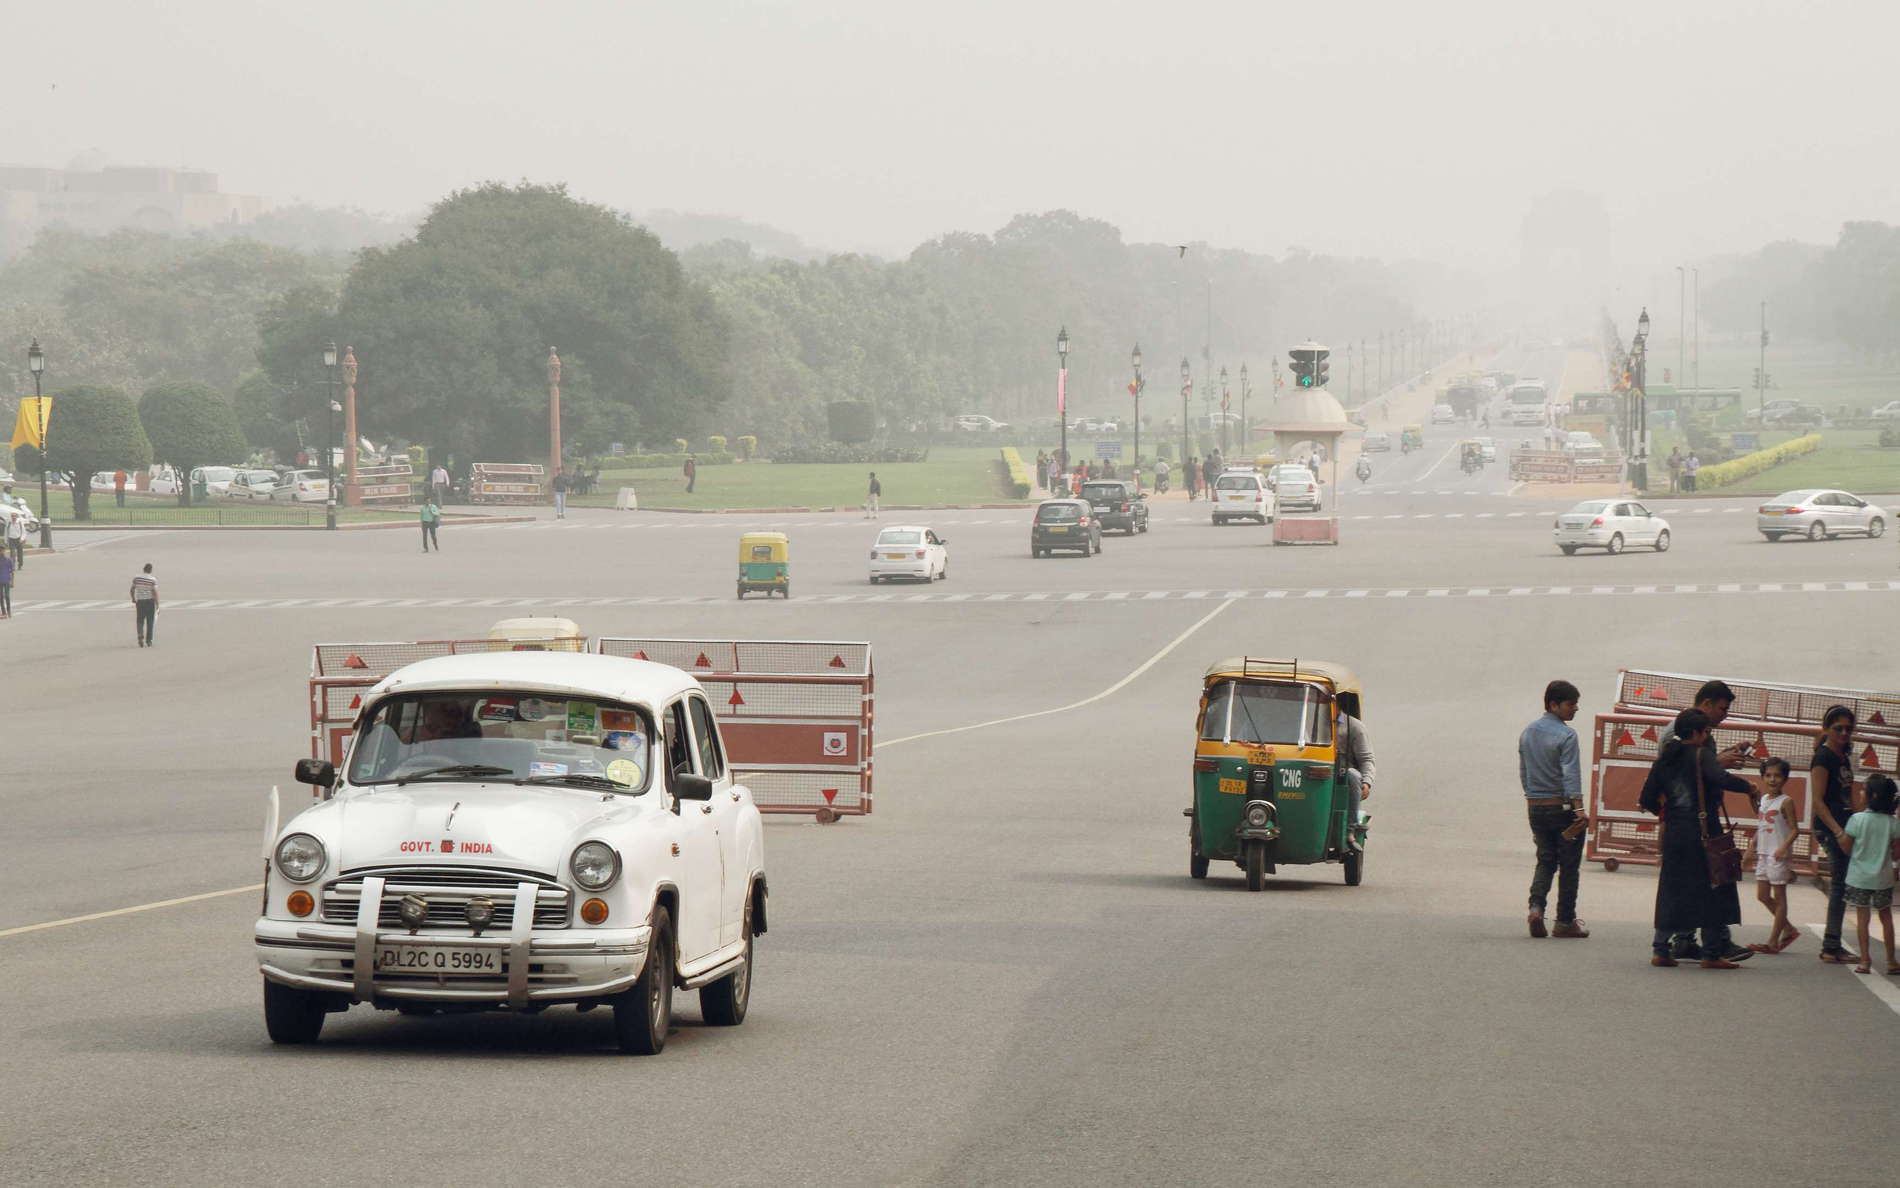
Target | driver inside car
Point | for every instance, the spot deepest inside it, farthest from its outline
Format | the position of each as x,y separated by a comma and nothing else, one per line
447,718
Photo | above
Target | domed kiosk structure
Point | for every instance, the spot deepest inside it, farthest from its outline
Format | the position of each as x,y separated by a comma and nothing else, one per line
1308,416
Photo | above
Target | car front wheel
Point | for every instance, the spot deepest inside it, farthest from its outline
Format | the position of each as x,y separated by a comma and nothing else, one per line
643,1014
291,1016
1662,541
1875,527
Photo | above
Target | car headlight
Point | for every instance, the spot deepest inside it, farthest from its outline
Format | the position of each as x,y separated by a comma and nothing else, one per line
595,865
300,857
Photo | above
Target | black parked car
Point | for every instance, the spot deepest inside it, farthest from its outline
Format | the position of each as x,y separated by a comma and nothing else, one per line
1117,505
1065,524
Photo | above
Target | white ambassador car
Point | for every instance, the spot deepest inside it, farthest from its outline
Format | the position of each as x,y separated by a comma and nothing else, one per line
516,830
1819,514
909,551
1611,525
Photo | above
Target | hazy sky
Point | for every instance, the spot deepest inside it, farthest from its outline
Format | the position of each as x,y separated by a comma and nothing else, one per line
1388,129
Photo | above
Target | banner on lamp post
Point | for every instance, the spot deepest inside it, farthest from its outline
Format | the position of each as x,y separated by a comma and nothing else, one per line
34,413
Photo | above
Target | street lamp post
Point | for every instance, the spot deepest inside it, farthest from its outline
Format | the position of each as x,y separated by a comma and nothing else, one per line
1246,432
1639,396
1223,411
1138,385
1062,394
36,363
329,441
1187,388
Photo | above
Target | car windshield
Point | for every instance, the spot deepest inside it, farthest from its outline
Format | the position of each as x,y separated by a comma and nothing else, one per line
900,536
516,736
1266,712
256,477
1058,513
1236,482
1103,492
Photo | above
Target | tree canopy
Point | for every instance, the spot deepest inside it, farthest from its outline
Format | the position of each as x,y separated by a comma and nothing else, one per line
190,425
92,428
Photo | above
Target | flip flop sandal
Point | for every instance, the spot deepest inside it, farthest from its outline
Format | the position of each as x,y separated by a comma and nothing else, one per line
1894,970
1863,969
1832,958
1763,949
1785,942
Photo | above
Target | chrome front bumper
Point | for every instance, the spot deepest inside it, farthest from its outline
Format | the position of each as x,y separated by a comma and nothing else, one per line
551,965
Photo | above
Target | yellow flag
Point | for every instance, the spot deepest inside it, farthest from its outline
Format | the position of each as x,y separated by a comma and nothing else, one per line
26,429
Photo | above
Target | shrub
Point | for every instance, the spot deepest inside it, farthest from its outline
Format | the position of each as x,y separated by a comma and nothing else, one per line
852,422
1889,438
716,444
681,446
748,447
837,451
1019,479
1724,473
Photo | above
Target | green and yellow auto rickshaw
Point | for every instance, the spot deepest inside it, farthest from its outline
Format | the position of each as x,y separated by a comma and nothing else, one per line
765,563
1267,788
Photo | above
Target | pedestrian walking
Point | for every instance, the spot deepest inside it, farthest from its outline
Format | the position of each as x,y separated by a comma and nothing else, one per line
1870,869
1690,466
1831,791
1193,477
431,520
1713,698
871,493
1675,469
1210,470
1774,848
6,585
16,539
1162,472
691,471
1042,470
145,605
1549,771
1691,813
439,479
118,487
561,484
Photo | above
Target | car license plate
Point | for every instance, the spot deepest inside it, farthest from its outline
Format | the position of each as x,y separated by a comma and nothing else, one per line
893,556
1058,527
446,960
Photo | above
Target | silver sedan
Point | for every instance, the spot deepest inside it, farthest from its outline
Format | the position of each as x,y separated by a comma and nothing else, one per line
1819,514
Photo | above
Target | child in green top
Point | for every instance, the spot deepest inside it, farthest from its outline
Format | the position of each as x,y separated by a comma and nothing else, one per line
1870,867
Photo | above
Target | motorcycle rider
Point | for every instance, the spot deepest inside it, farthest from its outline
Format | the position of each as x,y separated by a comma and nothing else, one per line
1364,469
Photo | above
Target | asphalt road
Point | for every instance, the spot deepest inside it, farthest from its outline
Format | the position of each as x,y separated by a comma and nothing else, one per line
1004,975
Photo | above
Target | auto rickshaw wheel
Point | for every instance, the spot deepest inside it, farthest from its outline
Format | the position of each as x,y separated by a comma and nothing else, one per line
742,589
1256,865
1197,861
785,591
1355,867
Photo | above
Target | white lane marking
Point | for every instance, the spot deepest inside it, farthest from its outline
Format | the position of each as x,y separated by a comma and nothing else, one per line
1117,687
126,911
1881,985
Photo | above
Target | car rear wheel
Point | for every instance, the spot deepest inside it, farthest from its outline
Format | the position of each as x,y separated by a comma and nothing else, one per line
724,1003
1569,550
643,1014
1662,541
1816,532
1875,527
1773,536
291,1016
1616,544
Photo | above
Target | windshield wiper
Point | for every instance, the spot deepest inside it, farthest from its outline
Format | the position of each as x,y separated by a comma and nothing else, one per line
456,769
580,780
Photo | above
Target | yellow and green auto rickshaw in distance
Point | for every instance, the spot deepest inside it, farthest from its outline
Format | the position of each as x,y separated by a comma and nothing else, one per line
1412,437
1267,786
765,563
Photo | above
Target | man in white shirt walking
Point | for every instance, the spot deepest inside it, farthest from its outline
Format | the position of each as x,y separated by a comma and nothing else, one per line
145,604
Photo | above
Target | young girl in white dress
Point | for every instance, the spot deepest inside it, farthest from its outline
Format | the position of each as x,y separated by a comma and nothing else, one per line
1774,845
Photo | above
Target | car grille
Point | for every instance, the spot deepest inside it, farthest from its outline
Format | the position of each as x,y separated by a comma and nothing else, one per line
447,890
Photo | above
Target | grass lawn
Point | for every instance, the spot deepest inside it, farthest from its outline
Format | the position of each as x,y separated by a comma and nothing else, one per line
164,509
953,475
1860,467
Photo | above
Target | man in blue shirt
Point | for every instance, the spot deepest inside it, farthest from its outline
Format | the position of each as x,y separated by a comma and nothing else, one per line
1551,773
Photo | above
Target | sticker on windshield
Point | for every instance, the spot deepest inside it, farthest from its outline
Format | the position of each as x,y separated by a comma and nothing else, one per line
498,709
539,768
581,715
532,709
624,740
611,719
624,771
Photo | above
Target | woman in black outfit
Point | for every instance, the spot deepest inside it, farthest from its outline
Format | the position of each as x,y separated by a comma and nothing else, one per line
1690,811
1831,785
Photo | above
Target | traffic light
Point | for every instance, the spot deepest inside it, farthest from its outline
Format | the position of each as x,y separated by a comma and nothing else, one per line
1757,382
1309,364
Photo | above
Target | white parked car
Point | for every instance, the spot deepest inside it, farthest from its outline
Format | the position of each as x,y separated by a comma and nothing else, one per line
1294,487
1611,525
1443,414
214,478
1819,514
909,551
1242,494
517,830
303,486
247,484
1582,445
1889,411
978,423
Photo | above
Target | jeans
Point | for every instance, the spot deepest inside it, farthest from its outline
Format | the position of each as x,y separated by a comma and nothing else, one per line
1715,942
1836,890
6,599
145,618
428,536
1556,855
119,495
560,505
18,545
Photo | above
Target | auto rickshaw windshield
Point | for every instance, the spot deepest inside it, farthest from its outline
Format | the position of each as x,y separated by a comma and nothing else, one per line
1267,712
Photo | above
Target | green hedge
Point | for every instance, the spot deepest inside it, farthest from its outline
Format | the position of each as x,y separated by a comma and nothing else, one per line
838,451
659,461
1748,465
1020,483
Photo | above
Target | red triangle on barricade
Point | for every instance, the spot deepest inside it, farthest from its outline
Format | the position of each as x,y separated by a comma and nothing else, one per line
1623,739
641,655
354,661
1876,719
1659,695
1649,735
831,795
838,662
735,699
1761,748
1868,758
356,702
702,662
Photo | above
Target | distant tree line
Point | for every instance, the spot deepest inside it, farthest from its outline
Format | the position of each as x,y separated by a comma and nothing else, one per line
1848,293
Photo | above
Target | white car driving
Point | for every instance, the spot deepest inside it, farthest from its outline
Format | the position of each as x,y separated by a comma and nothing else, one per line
1294,487
1242,494
910,551
1611,525
1818,514
303,486
516,830
1443,414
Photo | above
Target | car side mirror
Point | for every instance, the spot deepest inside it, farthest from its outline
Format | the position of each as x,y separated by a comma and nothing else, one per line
320,772
688,786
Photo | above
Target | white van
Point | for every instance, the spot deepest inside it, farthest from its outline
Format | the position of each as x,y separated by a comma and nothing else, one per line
1242,495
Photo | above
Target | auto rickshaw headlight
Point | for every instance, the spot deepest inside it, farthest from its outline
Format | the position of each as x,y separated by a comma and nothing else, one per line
1258,816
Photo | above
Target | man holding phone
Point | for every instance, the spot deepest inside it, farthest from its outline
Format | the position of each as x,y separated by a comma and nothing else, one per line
1549,770
1714,699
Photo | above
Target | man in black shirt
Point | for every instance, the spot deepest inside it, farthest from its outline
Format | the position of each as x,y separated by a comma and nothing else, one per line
1831,785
